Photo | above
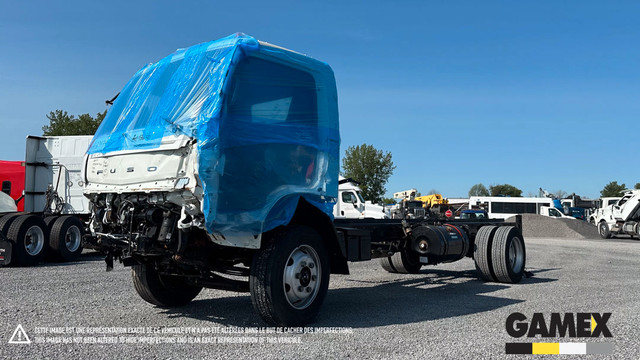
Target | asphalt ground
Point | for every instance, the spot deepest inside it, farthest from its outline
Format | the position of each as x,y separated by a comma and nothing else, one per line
78,310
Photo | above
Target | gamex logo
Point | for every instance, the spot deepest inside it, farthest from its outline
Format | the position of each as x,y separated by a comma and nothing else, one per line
572,325
562,325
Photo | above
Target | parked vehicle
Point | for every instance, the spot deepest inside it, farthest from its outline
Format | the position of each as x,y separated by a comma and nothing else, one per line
502,207
554,212
218,167
12,178
351,204
473,214
573,205
55,209
601,205
432,200
621,217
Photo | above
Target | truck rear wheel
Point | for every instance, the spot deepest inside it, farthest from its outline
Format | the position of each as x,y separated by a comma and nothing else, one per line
290,277
65,239
603,229
162,290
482,252
29,235
508,254
403,262
6,221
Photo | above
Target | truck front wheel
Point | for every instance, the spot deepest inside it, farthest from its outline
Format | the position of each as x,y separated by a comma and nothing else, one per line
162,290
603,229
290,277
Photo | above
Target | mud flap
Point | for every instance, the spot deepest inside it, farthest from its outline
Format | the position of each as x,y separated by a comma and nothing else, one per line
6,248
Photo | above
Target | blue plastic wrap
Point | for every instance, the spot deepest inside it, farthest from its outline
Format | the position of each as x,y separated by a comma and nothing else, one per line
265,120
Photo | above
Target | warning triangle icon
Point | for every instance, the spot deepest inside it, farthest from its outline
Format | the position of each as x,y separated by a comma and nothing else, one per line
19,336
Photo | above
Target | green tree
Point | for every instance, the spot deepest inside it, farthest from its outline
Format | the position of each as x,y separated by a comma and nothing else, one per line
388,200
637,186
478,190
505,190
612,189
370,167
61,123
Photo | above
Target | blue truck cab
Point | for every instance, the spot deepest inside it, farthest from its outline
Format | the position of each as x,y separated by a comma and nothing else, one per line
217,167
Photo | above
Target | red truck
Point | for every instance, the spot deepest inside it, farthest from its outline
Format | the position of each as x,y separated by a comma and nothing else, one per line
12,178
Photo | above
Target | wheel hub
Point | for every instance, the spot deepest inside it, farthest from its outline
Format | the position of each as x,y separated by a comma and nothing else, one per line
72,239
301,278
34,240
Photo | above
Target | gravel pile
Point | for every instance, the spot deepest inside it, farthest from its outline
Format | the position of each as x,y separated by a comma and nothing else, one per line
544,226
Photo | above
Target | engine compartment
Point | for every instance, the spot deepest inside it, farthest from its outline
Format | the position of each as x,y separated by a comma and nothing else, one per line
151,229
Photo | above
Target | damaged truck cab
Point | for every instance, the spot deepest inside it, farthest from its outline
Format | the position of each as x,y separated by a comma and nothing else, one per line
207,157
218,167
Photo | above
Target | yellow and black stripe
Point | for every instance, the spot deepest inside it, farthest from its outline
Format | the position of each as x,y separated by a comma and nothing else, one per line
558,348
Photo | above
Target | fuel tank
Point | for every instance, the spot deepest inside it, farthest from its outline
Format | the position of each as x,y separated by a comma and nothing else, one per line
446,243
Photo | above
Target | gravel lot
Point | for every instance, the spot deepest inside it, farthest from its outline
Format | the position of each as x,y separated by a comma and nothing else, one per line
444,312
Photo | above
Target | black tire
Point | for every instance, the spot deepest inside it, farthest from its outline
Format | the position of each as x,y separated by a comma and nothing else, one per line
508,254
161,290
29,235
65,238
49,221
482,252
603,230
290,277
403,262
6,221
386,264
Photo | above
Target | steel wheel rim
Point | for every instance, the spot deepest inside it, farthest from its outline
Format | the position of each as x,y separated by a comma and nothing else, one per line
516,255
34,240
72,238
601,229
301,277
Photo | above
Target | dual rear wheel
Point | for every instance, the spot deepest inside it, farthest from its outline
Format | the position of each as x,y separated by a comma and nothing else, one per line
500,254
34,238
403,262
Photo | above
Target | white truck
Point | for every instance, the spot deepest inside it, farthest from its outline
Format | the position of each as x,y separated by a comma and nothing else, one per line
51,226
554,213
621,217
351,205
603,203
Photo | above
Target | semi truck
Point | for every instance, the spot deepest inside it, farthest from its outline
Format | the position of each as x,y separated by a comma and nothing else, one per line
351,205
217,167
12,178
620,218
51,225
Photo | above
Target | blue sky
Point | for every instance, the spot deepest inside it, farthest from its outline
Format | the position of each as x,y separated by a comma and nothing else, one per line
534,94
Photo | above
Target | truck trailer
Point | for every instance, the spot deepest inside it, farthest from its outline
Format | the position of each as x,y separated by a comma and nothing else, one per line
218,167
52,223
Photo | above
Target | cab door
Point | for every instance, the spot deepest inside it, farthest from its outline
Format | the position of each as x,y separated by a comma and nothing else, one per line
349,208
